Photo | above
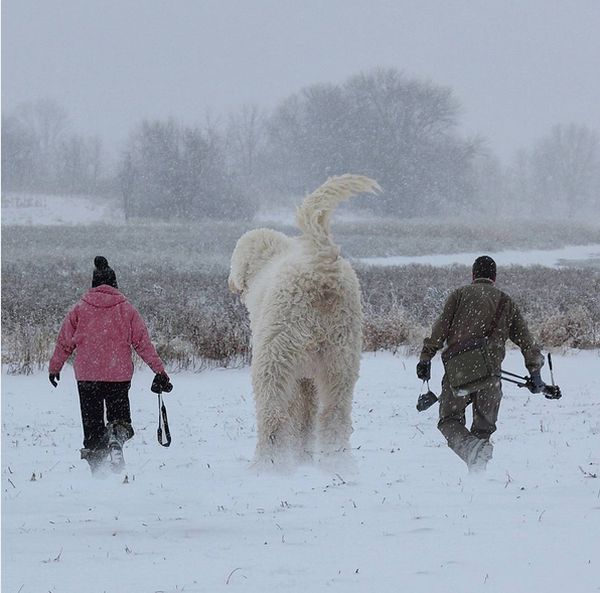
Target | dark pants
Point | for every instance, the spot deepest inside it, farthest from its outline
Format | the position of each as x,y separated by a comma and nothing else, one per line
452,423
93,397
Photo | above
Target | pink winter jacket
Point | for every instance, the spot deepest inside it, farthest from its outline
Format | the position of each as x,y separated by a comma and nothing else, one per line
102,327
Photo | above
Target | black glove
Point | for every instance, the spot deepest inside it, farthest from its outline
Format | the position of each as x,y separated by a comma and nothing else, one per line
535,383
424,370
54,378
552,392
161,383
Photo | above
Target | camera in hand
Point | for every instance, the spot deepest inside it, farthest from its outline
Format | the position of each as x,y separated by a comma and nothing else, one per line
426,400
161,383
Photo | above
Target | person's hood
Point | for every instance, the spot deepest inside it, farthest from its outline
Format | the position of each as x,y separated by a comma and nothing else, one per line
103,296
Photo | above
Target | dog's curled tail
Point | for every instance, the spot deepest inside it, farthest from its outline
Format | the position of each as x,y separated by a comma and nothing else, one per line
314,213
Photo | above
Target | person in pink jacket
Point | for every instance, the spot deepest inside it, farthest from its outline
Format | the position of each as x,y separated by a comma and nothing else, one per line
101,329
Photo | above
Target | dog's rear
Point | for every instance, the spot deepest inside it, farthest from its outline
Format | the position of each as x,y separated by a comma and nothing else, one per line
304,305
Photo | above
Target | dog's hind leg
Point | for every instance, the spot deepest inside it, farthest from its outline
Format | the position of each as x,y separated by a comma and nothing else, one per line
335,385
303,412
273,382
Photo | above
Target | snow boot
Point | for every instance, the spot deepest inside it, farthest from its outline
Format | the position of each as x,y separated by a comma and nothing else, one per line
96,459
480,454
117,435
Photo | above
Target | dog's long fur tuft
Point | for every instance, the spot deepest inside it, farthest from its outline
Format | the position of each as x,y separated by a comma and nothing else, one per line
306,320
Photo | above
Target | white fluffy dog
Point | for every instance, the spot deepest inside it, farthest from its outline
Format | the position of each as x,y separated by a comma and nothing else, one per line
303,300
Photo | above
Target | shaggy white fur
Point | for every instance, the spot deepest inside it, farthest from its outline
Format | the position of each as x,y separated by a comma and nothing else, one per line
303,300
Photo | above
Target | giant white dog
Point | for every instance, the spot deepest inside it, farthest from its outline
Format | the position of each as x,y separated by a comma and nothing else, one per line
304,304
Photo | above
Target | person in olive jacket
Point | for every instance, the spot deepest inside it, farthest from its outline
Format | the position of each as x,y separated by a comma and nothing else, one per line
477,311
102,328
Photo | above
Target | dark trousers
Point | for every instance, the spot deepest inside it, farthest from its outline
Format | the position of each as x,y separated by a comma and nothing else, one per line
452,422
96,397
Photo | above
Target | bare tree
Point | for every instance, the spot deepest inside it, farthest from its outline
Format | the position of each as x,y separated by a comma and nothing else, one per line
19,152
398,130
566,169
39,153
126,177
173,171
79,163
492,187
47,122
245,140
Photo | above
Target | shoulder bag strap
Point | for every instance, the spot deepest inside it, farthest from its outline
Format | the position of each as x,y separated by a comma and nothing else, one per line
497,315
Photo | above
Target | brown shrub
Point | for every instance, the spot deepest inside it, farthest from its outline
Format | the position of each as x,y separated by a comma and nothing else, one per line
387,330
574,328
195,321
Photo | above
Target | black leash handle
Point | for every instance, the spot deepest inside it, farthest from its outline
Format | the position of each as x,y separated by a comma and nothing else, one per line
163,423
551,369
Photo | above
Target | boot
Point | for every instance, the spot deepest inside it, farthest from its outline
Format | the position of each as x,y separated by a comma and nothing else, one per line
480,454
117,435
96,459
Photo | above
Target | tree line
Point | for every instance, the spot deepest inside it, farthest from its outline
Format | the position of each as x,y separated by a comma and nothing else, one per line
41,154
402,131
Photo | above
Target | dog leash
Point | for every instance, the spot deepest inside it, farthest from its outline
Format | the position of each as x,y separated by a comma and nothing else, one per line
163,423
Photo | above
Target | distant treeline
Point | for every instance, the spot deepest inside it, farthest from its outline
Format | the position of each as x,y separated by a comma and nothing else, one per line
402,131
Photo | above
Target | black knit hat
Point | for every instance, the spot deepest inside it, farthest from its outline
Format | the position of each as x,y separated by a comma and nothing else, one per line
103,273
484,267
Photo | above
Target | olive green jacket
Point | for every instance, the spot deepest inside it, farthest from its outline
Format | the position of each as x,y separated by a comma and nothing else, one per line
469,312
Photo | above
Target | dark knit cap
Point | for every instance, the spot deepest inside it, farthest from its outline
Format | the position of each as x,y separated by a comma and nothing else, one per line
103,273
484,267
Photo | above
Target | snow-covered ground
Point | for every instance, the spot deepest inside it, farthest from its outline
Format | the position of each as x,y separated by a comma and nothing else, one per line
37,209
41,209
196,518
566,256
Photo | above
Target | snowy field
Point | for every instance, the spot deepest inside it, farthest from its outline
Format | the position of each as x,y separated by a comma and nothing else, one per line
42,209
579,255
36,209
196,518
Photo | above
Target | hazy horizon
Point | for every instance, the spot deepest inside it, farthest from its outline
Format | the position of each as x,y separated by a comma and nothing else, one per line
516,70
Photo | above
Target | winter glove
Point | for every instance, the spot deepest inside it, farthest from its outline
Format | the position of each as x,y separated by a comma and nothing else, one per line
535,383
54,378
424,370
552,392
161,383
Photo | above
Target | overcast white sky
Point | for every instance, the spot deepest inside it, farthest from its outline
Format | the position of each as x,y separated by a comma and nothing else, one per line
517,66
